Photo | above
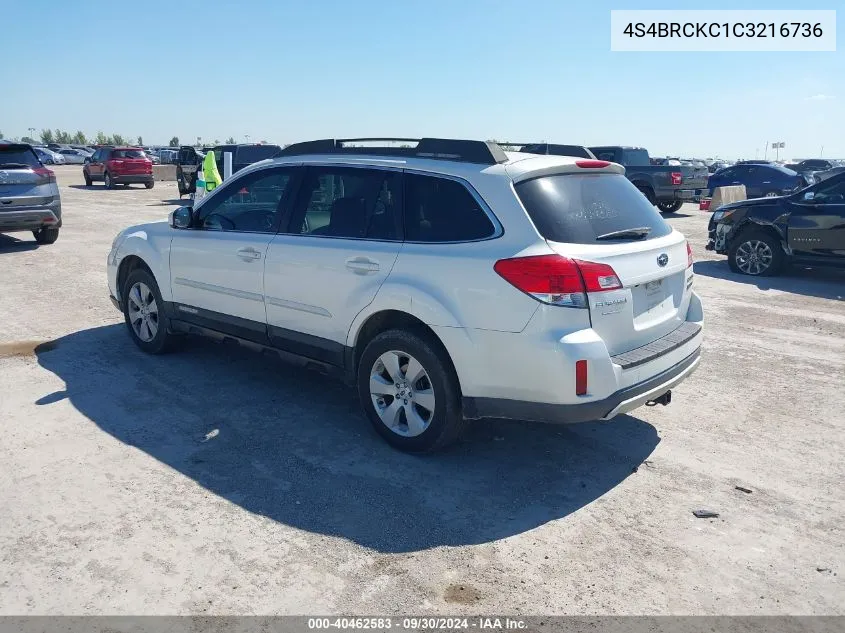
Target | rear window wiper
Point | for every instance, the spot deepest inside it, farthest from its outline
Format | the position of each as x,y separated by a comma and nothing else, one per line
638,233
14,165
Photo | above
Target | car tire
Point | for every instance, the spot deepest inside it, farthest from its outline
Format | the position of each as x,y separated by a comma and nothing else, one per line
107,181
143,312
87,179
670,207
149,185
432,397
47,235
756,253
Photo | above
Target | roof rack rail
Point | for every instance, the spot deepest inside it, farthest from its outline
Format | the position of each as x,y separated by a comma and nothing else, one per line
465,151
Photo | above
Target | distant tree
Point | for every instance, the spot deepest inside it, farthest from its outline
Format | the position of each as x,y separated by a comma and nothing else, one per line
230,140
46,136
79,138
25,139
174,142
62,137
140,141
101,139
117,139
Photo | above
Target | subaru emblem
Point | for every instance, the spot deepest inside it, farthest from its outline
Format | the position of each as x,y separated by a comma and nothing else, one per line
662,259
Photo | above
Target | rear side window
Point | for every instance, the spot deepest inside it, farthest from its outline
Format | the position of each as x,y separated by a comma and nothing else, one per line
18,155
351,203
443,210
581,208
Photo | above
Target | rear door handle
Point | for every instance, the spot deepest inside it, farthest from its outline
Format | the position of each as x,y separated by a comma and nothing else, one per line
362,265
249,254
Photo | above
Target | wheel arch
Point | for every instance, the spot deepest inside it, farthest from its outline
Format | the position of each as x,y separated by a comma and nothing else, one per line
137,252
383,320
749,225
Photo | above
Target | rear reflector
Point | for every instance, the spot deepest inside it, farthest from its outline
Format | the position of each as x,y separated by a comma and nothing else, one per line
557,280
591,164
689,256
677,178
47,220
580,378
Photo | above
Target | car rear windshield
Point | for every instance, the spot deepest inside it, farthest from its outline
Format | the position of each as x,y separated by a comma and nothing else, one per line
18,155
128,153
581,208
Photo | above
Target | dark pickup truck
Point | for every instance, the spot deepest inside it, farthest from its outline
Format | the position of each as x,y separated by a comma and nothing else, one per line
666,186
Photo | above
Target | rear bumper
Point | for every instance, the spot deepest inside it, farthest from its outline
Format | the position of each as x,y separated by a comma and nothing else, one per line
130,179
687,194
30,219
620,402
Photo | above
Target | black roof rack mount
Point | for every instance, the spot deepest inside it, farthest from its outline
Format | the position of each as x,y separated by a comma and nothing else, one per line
465,151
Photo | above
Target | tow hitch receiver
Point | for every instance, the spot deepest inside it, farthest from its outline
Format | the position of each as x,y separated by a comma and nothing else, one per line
665,399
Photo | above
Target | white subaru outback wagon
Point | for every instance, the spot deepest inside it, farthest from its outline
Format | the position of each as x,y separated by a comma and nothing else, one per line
449,280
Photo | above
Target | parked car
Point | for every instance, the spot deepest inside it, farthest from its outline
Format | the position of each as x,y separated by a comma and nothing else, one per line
569,297
555,149
188,161
760,180
29,196
717,165
761,236
244,154
153,156
813,164
73,156
48,156
824,175
84,149
119,166
666,186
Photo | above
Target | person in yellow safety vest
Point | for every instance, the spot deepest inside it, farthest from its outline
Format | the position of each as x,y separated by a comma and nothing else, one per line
209,168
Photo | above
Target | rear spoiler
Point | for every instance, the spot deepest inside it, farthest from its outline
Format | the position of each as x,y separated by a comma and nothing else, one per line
554,149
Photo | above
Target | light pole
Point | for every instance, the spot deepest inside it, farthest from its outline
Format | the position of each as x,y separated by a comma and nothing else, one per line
31,132
246,136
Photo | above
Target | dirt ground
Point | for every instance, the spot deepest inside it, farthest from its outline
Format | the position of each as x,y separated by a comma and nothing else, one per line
215,480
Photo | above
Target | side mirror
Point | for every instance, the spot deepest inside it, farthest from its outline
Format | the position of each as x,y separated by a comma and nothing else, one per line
181,218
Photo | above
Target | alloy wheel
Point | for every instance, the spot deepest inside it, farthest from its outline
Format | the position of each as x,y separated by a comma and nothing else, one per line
402,393
754,257
143,312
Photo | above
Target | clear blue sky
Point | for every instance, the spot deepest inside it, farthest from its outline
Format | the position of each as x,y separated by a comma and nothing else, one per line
292,70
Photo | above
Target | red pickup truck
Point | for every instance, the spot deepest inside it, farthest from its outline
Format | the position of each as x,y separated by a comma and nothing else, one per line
119,166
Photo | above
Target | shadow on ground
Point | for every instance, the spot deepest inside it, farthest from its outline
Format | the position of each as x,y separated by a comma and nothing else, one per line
292,445
812,282
9,244
98,186
182,202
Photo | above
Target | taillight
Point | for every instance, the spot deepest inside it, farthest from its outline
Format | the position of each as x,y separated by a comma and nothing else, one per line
689,255
591,164
45,173
556,280
677,177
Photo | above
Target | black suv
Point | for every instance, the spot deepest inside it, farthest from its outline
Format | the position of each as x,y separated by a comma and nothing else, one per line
244,155
760,236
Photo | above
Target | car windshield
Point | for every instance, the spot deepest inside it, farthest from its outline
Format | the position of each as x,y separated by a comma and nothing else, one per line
590,208
18,155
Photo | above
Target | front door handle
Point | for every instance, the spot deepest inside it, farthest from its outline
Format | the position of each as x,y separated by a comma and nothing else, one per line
249,254
362,265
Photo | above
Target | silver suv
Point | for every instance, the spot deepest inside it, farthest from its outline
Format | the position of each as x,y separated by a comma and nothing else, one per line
448,280
29,196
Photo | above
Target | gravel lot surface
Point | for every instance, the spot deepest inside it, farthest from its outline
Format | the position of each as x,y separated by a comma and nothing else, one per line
215,480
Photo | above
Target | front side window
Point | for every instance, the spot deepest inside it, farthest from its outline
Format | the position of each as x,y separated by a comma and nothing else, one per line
443,210
251,204
350,202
